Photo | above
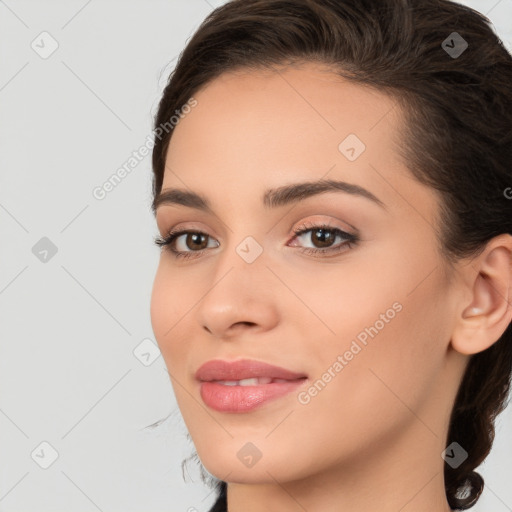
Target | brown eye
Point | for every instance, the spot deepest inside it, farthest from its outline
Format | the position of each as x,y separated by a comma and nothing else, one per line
196,241
323,238
187,242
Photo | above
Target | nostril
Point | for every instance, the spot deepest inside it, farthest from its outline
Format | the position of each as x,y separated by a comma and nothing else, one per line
250,324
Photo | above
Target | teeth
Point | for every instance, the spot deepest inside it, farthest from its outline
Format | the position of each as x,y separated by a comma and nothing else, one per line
255,381
250,382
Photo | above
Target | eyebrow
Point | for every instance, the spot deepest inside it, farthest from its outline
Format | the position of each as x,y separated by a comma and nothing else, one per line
272,198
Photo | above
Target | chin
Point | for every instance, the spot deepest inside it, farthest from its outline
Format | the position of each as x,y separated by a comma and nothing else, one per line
266,470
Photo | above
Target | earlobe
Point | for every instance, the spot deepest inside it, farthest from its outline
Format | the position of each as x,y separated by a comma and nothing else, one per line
488,314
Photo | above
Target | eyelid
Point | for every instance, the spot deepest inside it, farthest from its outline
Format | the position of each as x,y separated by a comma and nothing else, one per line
309,223
349,240
329,221
186,226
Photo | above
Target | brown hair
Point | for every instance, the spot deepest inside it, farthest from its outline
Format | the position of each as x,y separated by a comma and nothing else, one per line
457,137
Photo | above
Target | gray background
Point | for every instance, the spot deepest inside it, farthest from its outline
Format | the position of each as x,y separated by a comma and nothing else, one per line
72,325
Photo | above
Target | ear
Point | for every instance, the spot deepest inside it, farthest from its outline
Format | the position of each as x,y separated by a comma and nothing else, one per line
485,317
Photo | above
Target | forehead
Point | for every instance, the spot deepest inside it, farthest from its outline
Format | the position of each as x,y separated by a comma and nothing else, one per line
255,129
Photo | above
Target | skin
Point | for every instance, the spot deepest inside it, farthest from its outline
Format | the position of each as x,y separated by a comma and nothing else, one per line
372,438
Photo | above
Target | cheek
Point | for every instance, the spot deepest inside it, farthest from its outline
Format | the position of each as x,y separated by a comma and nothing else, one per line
389,319
160,306
394,373
394,344
169,306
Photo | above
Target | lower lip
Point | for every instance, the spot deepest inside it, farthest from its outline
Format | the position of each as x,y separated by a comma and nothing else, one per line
244,398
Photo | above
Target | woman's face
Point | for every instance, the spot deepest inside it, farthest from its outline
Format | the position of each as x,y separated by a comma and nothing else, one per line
368,323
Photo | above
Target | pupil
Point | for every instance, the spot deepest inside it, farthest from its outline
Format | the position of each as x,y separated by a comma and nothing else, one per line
325,237
196,237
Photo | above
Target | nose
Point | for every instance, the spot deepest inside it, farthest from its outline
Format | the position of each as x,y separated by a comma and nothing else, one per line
241,298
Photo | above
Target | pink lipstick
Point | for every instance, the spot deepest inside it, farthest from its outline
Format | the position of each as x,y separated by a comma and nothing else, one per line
243,385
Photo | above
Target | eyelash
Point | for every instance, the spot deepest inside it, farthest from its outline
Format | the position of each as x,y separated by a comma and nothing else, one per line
350,240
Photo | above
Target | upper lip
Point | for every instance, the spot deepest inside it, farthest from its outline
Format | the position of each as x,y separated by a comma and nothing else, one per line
219,369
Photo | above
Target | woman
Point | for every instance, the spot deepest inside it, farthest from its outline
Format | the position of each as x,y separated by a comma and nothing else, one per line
333,299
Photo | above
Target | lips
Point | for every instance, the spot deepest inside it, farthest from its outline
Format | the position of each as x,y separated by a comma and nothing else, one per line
254,381
244,385
236,371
